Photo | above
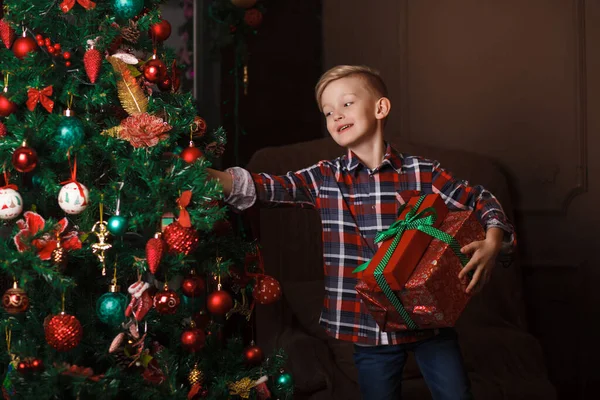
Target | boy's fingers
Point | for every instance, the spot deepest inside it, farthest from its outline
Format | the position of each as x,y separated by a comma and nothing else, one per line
472,264
471,247
474,280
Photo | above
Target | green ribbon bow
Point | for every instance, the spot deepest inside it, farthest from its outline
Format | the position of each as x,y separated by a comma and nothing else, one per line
422,221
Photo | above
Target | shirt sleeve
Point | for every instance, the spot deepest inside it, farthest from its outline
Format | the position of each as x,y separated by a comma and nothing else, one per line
243,194
300,188
459,195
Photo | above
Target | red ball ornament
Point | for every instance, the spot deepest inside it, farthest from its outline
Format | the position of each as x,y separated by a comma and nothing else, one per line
180,239
24,159
36,365
165,84
160,31
166,301
23,46
155,70
7,107
267,290
63,332
219,302
193,339
15,300
191,153
3,130
253,355
253,17
23,367
193,285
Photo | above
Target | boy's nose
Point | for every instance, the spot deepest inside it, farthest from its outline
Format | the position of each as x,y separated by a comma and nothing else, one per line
338,117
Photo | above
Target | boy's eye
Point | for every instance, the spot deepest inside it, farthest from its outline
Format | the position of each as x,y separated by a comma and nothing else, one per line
348,104
327,114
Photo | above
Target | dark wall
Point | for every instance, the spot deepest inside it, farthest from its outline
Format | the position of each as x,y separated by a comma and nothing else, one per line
284,66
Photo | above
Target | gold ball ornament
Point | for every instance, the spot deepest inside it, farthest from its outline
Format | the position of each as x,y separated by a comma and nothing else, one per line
243,3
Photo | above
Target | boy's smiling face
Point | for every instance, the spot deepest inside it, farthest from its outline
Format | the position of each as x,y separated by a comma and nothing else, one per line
351,111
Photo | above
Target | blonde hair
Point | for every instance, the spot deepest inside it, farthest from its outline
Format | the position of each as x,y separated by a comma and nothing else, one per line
371,76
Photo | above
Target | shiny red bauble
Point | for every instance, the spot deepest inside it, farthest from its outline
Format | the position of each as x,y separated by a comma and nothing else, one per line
219,302
63,332
193,339
7,107
23,46
24,159
180,239
166,301
160,31
193,285
155,70
253,355
15,300
191,153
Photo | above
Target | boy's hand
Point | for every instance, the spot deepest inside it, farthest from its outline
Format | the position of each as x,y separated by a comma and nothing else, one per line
483,258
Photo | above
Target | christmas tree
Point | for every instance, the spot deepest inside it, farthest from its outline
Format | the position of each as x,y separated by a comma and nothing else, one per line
126,278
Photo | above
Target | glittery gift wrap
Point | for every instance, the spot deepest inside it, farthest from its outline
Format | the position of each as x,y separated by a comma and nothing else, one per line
433,295
411,247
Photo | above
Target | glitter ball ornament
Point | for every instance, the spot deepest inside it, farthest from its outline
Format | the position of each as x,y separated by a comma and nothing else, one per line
24,159
110,307
219,302
11,203
267,290
196,376
160,31
193,285
15,300
253,355
191,153
7,107
63,332
73,198
180,239
3,130
70,132
126,9
193,339
23,46
166,301
155,249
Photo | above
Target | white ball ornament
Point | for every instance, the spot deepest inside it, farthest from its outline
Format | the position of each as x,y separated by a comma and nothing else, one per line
73,198
11,204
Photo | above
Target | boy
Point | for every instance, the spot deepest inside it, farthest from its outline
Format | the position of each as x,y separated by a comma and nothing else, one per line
356,196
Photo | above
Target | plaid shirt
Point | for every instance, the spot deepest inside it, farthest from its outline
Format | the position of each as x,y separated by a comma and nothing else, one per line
356,203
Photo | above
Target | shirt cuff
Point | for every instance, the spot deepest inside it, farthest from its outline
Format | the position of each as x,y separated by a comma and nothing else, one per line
243,192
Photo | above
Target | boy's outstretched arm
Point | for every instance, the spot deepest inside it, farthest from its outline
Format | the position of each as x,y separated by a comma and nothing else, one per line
224,178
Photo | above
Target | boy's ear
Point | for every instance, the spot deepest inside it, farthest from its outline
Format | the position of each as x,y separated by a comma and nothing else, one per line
383,108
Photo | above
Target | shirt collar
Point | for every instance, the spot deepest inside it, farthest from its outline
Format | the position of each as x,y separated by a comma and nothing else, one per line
391,157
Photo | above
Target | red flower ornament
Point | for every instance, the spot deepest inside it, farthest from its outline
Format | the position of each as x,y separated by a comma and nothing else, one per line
44,245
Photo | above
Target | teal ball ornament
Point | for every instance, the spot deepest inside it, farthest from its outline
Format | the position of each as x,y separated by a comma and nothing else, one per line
284,383
117,225
70,133
110,307
127,9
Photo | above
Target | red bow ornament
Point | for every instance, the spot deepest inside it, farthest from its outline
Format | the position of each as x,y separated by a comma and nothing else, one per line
183,201
66,5
40,96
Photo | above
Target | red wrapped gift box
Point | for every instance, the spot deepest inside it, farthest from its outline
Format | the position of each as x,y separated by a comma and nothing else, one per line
433,296
403,262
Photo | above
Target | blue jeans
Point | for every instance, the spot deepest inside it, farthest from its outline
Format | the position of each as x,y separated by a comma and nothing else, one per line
439,359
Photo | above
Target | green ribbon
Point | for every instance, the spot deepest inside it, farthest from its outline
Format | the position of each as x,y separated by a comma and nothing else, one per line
422,221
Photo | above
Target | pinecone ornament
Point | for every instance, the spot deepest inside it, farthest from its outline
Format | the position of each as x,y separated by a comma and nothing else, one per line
92,61
196,376
7,34
59,257
155,249
131,33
